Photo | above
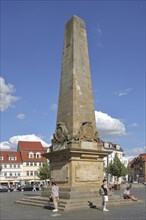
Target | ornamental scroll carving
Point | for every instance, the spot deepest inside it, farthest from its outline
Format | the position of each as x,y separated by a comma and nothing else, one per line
87,133
62,137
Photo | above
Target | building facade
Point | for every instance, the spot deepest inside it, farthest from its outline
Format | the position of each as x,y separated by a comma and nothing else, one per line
138,169
114,149
21,166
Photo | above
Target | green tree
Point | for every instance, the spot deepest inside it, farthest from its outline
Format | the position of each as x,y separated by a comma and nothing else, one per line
117,168
0,167
44,172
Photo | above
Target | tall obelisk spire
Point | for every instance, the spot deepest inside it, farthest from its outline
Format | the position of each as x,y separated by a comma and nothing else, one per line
76,106
76,154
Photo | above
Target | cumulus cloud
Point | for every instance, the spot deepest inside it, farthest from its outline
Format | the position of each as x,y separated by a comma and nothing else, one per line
5,145
13,141
136,150
108,126
21,116
6,91
124,92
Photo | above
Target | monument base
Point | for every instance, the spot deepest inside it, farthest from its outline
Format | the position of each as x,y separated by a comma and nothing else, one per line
79,175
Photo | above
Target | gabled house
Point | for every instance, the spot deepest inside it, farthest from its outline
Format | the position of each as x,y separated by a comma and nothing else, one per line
11,165
21,166
32,159
138,169
114,149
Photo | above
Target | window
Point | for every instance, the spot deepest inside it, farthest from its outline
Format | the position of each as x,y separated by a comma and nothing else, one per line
31,155
27,173
38,155
31,163
31,173
12,158
27,163
1,157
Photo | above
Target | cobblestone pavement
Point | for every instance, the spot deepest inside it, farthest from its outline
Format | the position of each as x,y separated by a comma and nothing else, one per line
12,211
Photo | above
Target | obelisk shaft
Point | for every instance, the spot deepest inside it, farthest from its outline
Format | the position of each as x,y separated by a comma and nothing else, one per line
75,104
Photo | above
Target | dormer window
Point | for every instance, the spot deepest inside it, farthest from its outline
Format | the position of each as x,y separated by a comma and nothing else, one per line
38,155
12,158
1,158
31,155
117,147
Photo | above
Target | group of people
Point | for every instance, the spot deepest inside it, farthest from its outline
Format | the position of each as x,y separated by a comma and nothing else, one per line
105,190
126,195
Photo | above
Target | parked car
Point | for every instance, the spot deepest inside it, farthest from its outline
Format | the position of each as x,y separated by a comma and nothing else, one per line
26,188
3,189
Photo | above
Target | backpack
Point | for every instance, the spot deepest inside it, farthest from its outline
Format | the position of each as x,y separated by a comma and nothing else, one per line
101,191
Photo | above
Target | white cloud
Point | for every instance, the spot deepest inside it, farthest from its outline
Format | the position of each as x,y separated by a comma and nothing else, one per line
124,92
5,145
134,124
136,150
13,141
108,126
99,36
21,116
6,91
53,107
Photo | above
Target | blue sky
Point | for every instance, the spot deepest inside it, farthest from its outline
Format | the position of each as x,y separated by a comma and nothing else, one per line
32,34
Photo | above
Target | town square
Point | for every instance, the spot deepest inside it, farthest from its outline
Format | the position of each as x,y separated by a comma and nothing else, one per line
75,145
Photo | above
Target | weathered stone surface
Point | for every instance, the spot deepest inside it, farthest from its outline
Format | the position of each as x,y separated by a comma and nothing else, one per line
76,156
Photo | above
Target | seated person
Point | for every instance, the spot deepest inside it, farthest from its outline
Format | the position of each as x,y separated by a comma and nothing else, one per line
128,195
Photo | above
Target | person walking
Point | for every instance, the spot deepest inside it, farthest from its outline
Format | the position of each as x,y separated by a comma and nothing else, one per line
105,195
34,188
55,196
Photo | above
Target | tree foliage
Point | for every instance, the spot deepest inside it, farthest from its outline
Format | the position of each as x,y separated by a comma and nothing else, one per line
0,167
117,168
44,171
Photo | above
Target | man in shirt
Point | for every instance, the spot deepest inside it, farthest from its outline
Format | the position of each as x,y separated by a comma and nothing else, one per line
55,196
105,195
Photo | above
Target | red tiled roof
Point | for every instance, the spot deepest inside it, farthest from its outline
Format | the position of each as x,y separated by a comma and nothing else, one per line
143,156
25,147
23,150
25,157
6,155
30,146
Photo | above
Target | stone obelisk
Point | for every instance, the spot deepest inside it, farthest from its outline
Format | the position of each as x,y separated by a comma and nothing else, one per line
76,155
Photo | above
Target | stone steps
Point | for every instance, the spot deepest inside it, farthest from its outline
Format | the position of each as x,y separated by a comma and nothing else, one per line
74,204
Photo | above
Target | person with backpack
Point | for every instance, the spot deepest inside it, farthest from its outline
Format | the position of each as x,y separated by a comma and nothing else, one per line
104,190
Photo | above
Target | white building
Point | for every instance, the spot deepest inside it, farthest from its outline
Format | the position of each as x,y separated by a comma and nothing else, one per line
114,148
21,166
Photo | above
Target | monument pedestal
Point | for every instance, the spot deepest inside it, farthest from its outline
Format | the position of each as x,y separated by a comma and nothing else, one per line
78,173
